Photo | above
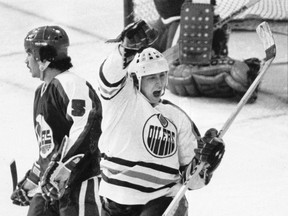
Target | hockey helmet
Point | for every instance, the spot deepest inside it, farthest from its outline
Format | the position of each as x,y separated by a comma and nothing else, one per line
149,61
44,36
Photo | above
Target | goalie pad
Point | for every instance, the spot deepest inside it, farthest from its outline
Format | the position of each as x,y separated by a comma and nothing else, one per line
223,77
196,33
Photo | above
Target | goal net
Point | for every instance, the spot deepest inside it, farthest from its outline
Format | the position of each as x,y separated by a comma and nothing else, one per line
273,11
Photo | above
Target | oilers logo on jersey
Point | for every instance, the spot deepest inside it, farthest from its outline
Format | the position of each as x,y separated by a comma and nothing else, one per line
159,136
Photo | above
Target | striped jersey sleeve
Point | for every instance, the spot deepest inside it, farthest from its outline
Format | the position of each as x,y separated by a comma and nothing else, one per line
111,78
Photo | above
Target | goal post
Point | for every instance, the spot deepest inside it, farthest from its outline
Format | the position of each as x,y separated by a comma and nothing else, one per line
128,12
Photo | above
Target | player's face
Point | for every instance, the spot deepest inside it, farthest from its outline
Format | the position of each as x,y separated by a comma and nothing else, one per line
153,86
32,64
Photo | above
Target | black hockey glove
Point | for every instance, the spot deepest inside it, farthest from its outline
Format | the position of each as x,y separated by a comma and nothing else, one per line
24,191
20,197
188,170
210,150
56,176
134,38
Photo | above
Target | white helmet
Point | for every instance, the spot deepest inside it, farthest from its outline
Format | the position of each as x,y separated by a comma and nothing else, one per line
149,61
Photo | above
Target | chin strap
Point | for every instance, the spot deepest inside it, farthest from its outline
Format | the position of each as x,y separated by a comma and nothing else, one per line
42,68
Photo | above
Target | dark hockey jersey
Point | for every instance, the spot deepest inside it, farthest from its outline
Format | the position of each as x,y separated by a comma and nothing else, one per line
68,106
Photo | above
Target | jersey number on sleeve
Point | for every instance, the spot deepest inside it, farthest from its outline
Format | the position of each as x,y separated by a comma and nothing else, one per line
78,107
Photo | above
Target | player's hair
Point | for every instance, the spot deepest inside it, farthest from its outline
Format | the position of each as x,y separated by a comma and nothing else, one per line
49,52
135,80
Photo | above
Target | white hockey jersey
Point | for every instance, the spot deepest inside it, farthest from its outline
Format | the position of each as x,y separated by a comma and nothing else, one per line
143,146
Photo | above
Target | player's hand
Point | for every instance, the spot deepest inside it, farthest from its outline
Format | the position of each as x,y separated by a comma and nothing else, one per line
138,35
27,186
210,150
189,169
55,178
20,197
134,38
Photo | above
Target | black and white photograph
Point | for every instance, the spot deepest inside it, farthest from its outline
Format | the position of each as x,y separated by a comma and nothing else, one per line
144,107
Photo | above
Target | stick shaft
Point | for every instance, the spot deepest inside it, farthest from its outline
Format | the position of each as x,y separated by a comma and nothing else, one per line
235,13
267,39
244,99
13,170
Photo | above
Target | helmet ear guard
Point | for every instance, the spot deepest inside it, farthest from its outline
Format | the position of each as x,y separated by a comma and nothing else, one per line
135,80
48,53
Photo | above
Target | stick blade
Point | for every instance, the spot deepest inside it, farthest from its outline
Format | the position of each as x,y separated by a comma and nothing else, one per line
172,53
265,35
13,170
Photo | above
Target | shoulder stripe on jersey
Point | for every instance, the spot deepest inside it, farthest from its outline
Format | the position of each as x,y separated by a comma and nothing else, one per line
109,98
57,86
194,127
105,82
141,163
134,186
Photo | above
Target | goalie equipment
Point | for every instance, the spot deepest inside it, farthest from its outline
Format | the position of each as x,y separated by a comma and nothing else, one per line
53,36
173,53
196,33
168,8
220,39
223,77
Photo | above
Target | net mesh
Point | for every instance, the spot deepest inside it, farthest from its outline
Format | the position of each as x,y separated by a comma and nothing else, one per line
274,11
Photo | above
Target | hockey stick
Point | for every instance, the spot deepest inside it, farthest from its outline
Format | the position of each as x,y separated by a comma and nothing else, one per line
235,13
13,170
267,39
172,53
14,175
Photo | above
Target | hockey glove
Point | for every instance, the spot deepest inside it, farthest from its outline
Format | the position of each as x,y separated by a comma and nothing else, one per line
210,150
26,187
57,174
189,169
134,38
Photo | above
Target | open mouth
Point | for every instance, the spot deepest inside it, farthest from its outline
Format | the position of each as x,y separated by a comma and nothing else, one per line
157,93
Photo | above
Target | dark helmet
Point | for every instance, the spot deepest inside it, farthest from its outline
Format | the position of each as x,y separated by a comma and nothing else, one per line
47,36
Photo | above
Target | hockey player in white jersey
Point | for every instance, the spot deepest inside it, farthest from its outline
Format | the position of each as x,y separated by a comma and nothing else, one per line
147,143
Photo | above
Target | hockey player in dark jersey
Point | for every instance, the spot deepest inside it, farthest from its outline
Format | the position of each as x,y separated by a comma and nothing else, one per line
149,145
67,119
